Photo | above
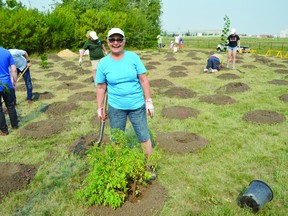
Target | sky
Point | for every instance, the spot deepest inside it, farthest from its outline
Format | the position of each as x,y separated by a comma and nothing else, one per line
252,17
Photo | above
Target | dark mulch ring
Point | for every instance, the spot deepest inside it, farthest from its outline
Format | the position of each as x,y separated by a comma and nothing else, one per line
278,82
218,99
59,108
150,202
81,71
249,66
192,54
171,59
179,112
83,96
150,67
68,64
42,96
284,98
54,74
233,88
189,63
177,74
177,68
154,63
228,76
263,117
286,77
281,71
66,78
180,142
277,65
14,177
160,83
43,129
70,86
179,92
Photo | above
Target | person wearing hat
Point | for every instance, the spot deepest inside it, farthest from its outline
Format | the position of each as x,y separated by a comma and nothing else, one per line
160,42
123,74
233,41
96,49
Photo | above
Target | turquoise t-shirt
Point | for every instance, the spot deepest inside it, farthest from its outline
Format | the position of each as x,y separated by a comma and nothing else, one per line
124,88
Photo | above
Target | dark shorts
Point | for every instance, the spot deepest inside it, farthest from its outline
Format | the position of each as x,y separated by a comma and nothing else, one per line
213,62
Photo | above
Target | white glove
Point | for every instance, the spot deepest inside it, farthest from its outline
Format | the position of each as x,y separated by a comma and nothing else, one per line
101,113
149,107
80,61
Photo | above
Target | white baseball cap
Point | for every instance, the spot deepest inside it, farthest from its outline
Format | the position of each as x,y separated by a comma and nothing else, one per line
115,31
93,35
233,31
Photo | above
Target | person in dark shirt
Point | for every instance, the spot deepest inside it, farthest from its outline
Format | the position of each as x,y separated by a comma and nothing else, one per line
233,41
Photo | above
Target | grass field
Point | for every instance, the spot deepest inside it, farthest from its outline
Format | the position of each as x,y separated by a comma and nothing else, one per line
203,182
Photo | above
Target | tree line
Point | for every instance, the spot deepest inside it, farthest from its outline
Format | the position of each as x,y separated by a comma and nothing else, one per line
66,23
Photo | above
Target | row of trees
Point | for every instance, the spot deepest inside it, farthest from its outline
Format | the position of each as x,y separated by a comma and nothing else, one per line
66,23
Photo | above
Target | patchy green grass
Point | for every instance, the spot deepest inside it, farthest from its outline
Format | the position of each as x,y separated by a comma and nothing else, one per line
206,182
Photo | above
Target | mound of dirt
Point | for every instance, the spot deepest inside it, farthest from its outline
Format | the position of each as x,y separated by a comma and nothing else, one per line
177,74
60,108
180,142
83,96
177,68
14,177
284,98
180,92
227,76
278,82
160,83
263,117
42,96
218,99
43,129
67,53
179,112
233,88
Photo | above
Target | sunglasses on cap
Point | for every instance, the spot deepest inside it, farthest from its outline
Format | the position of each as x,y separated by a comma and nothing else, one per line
119,40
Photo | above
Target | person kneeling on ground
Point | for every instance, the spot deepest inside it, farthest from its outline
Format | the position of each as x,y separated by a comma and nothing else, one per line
214,63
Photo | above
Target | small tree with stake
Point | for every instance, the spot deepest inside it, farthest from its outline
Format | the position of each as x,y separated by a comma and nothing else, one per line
225,29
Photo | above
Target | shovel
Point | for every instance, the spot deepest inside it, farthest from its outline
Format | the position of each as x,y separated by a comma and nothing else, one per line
102,121
22,73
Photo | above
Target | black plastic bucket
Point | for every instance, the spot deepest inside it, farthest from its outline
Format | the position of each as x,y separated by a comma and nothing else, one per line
256,195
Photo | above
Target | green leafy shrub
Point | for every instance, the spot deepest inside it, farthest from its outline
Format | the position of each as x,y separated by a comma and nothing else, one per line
115,172
44,60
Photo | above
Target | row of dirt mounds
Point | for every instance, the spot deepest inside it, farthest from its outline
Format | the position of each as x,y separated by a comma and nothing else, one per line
15,177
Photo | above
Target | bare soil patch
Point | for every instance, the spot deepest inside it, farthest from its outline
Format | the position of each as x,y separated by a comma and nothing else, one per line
178,68
60,108
281,71
70,86
262,59
14,177
54,74
218,99
228,76
150,202
233,88
42,96
180,142
180,92
278,82
284,98
189,63
150,67
263,117
154,63
160,83
66,78
44,128
272,64
249,66
177,74
83,96
179,112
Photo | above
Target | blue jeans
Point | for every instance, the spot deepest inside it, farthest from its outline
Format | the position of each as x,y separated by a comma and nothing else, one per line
213,62
28,84
8,100
138,119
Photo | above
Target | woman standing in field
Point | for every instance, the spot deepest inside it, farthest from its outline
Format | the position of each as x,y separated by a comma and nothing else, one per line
233,41
124,75
96,49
